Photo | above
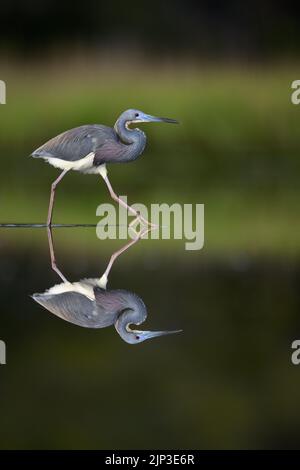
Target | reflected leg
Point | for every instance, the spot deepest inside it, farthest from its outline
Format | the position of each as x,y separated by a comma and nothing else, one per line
104,278
52,255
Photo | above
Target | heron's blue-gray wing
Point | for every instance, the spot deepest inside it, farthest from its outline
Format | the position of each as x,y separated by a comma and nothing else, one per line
76,143
72,307
108,304
113,302
112,151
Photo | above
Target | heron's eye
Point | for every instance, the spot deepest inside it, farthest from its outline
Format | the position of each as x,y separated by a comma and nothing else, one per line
136,114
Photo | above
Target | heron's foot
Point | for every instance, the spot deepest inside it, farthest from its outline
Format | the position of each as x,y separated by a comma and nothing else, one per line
143,222
139,234
135,223
147,223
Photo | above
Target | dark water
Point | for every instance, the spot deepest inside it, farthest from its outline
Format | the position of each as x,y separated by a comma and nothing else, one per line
227,381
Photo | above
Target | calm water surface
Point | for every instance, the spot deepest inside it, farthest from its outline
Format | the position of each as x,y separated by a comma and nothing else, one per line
226,381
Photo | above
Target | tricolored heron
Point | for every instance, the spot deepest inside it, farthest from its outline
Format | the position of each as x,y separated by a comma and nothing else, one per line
88,148
89,304
86,304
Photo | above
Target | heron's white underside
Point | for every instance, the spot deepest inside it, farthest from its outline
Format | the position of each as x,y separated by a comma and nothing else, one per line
84,287
84,165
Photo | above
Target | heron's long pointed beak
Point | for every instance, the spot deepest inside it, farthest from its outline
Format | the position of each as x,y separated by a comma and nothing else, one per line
149,118
155,334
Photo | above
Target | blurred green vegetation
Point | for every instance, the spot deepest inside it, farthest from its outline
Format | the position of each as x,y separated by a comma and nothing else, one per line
236,150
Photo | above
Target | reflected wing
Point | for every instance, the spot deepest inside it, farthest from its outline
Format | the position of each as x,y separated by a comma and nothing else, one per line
72,307
109,302
77,143
112,302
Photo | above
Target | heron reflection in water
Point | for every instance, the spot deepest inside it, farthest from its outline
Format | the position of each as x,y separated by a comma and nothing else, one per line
89,304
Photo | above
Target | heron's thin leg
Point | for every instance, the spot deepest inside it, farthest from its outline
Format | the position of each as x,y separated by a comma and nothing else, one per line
52,196
116,254
52,255
122,203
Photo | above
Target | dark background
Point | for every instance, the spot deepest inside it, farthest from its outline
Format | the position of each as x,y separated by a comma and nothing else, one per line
217,29
225,71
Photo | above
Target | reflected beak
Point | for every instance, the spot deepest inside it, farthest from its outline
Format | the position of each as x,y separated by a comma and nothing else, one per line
149,118
155,334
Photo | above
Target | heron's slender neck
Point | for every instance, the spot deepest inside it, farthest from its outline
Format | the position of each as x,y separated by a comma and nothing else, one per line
134,138
134,314
126,318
